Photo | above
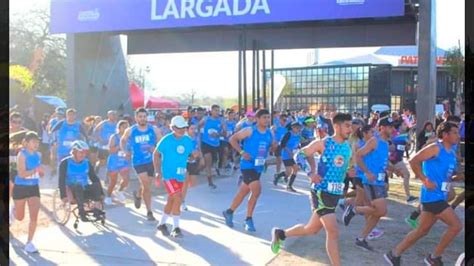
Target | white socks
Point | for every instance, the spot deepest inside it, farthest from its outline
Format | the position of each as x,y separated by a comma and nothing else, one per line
175,222
164,218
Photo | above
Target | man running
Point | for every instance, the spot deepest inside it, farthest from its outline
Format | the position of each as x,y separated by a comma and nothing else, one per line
434,165
211,128
279,130
257,142
170,159
142,138
326,187
102,133
289,147
372,159
66,132
398,166
226,149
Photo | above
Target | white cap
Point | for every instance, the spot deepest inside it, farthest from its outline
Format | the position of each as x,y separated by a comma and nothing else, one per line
179,122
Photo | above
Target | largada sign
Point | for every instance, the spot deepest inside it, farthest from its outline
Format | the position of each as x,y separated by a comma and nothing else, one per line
74,16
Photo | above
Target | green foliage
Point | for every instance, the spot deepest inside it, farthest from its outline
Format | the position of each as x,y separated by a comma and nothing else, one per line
23,76
32,45
455,61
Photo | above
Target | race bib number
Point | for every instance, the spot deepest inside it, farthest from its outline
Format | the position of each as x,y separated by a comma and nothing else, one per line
445,186
259,162
381,177
67,143
181,171
34,176
335,188
121,154
401,147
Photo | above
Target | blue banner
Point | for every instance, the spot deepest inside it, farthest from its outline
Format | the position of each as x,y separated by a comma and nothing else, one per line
74,16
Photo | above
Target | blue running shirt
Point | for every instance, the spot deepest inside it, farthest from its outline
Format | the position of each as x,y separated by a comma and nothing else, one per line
32,161
258,146
142,143
174,154
377,161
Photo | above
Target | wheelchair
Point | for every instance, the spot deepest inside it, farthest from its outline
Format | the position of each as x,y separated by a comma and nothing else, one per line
94,210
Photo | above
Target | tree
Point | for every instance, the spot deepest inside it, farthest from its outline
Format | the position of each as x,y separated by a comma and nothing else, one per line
43,54
455,63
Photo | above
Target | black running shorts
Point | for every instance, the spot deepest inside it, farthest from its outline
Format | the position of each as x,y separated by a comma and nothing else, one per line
375,192
289,162
323,203
278,151
145,168
214,151
250,175
23,192
193,168
435,208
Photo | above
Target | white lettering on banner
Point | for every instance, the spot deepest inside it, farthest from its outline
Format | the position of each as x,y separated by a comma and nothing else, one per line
206,8
142,139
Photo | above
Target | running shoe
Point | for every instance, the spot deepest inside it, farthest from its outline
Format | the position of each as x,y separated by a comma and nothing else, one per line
163,229
120,196
212,186
184,207
290,189
376,233
30,248
276,241
411,222
150,217
433,262
392,260
137,200
248,225
108,201
276,178
286,179
176,233
363,244
348,214
228,219
218,172
412,199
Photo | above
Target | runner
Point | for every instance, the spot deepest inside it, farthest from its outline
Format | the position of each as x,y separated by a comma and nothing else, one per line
289,147
211,128
226,149
58,115
66,132
326,188
373,161
117,163
16,122
170,159
279,130
26,189
257,141
434,165
102,133
142,139
397,165
351,174
78,180
307,133
194,165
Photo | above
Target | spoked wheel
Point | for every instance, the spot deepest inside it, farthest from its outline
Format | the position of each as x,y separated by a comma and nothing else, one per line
61,211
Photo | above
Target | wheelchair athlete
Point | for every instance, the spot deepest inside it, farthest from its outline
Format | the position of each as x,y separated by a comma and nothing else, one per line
75,172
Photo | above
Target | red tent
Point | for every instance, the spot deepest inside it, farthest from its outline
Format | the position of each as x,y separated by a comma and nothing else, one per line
137,98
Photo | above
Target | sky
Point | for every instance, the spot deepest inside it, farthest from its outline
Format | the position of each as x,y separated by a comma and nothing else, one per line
215,74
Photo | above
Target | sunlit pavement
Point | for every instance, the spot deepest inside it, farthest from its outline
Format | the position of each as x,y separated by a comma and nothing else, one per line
128,238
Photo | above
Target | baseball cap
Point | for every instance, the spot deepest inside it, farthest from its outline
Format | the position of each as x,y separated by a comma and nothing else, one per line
309,120
386,121
60,110
295,123
178,122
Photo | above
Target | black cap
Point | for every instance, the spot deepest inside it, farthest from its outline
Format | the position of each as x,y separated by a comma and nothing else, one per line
386,121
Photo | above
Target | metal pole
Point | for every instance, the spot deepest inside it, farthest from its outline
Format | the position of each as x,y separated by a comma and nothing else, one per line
264,85
258,78
253,75
240,77
272,90
426,90
245,71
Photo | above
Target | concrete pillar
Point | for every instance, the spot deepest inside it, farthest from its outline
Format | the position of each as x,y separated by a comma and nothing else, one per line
426,91
97,74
